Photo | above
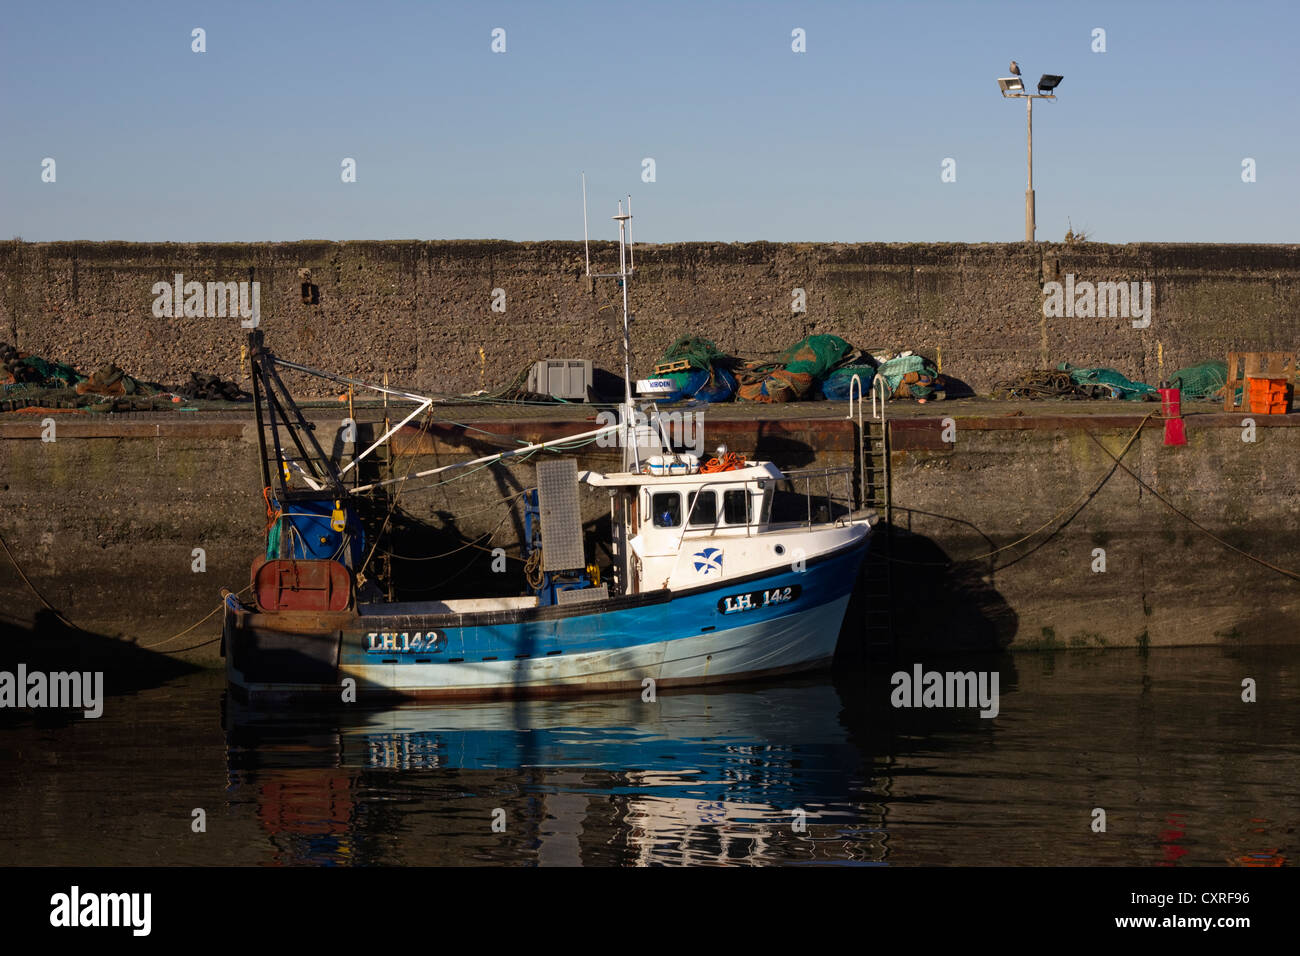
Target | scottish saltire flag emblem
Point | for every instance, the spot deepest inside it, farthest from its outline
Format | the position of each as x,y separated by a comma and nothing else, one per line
708,561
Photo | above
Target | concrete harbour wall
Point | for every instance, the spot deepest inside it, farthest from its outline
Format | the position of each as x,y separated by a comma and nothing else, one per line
104,522
422,311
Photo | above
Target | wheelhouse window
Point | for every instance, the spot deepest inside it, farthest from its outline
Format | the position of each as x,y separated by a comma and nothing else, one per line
666,506
703,512
735,506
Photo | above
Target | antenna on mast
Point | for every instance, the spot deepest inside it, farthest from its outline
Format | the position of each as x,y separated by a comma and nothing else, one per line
625,270
631,255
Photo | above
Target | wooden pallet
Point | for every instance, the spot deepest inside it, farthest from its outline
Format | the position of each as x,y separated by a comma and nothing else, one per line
663,368
1244,365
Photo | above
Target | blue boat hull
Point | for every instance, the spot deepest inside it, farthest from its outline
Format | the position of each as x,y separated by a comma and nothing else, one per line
780,622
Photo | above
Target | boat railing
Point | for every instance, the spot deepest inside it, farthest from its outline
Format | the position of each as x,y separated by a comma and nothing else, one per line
830,500
827,475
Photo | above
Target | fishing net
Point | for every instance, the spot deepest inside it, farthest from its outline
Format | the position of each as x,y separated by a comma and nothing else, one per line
707,377
1109,380
1205,380
25,369
52,373
839,383
709,385
794,374
895,370
310,536
911,376
701,353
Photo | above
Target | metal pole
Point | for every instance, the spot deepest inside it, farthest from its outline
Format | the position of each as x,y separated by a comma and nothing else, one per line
586,246
387,560
627,344
352,414
1029,193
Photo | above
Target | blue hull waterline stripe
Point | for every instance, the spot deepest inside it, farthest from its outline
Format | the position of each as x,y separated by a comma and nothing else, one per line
716,610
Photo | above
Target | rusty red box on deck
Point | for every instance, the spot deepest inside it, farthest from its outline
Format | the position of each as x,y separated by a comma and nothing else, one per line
301,585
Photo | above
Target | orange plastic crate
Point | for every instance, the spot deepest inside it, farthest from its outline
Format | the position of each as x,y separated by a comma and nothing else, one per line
1267,396
1268,366
1267,386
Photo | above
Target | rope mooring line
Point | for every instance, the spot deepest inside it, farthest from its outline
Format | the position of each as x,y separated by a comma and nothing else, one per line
193,626
28,582
1192,521
59,614
1081,500
1118,464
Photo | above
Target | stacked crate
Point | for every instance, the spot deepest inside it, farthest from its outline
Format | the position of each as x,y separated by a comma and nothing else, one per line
1267,396
1260,383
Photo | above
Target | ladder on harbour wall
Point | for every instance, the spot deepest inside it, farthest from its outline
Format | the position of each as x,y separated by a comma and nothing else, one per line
874,493
385,558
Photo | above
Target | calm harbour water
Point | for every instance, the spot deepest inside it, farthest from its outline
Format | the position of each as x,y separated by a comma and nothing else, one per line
1187,773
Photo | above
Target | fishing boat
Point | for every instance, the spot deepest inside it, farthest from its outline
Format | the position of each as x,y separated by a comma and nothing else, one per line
705,584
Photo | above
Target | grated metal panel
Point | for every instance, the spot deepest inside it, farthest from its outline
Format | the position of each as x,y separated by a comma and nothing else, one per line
557,502
582,595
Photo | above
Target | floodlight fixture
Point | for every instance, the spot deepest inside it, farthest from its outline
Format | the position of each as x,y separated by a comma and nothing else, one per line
1014,87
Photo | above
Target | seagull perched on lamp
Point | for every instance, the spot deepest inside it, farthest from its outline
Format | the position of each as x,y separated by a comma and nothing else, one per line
1015,68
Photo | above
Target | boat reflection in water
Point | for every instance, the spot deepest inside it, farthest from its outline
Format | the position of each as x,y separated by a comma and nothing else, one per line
763,775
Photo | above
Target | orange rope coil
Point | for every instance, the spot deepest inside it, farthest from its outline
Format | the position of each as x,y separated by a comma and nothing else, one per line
728,462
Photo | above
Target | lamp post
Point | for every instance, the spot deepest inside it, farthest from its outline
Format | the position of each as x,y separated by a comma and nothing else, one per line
1013,86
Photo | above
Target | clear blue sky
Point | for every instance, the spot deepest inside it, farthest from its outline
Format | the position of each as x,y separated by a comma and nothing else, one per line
751,140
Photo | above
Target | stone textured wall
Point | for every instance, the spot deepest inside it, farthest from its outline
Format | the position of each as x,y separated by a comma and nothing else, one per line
1164,582
422,310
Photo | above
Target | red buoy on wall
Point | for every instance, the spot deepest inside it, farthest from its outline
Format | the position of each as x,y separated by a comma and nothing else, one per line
1171,407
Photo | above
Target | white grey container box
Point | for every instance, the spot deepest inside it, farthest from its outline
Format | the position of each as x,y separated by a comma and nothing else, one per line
569,379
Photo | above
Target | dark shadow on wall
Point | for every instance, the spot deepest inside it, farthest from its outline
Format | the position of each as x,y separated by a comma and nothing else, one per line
49,646
956,388
434,560
605,386
936,606
789,453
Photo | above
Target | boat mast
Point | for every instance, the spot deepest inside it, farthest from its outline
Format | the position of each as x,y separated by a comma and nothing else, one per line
626,267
